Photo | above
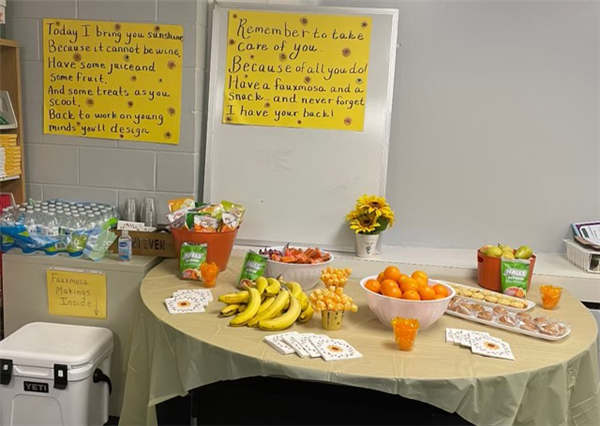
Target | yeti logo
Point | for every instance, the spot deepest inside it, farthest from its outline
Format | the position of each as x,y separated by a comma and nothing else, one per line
35,387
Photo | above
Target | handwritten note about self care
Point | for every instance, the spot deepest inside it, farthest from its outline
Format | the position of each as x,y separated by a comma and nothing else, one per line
112,80
296,70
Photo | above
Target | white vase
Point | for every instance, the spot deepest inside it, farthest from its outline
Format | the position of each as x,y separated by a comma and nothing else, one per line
366,245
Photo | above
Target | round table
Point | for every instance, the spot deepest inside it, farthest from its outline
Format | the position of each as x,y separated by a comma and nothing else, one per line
550,383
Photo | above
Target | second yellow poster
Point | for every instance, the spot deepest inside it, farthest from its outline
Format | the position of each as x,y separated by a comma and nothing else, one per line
296,70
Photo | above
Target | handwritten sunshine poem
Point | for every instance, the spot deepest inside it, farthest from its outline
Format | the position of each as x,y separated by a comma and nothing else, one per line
112,80
296,70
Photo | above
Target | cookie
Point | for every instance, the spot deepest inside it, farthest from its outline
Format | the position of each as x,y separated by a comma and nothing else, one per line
528,326
550,330
504,302
540,321
478,296
484,315
499,310
507,320
524,316
517,305
491,299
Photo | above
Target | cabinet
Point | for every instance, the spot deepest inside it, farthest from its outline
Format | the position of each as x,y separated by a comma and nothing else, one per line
10,80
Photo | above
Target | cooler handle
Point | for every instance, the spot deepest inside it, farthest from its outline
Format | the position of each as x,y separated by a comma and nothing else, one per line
6,367
99,376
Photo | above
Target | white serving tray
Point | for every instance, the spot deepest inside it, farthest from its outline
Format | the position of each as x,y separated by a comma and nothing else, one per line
509,328
529,303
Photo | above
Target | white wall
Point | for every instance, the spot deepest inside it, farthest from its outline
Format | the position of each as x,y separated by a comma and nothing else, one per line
107,170
495,122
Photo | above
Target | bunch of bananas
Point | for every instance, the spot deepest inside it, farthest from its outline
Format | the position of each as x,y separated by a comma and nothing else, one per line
270,304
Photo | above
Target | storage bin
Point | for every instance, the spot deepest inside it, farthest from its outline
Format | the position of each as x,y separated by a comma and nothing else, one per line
488,272
583,258
55,374
219,244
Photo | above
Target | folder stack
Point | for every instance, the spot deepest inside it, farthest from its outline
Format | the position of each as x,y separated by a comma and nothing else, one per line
10,156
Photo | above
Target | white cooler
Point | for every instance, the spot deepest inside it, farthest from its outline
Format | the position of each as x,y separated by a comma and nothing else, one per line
55,374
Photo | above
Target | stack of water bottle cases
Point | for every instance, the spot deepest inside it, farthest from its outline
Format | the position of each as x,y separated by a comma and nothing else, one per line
58,227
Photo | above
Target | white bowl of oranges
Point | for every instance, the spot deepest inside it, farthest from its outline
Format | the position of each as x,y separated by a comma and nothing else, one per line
394,294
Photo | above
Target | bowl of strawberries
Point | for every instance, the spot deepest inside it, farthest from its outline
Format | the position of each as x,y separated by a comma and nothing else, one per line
300,264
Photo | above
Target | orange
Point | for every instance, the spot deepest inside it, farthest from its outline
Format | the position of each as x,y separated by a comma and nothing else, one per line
391,273
373,285
409,284
411,295
380,277
388,285
402,277
420,276
440,290
426,293
394,292
438,296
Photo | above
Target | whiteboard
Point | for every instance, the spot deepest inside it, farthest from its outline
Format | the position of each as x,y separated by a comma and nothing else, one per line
298,184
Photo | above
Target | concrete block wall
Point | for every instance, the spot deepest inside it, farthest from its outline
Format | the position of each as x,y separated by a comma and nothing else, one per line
105,170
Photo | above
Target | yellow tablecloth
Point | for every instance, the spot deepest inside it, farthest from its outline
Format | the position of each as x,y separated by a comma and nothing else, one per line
550,383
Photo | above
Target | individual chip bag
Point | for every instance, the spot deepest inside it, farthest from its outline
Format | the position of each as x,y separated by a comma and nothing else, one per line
206,218
181,203
191,258
233,215
514,276
253,267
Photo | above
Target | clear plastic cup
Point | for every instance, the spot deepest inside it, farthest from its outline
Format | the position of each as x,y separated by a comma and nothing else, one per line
405,332
550,296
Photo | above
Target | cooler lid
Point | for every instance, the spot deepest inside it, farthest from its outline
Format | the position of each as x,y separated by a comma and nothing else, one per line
42,344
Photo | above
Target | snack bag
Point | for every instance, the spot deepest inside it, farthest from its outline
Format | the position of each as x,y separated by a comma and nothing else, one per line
514,276
204,222
253,267
206,218
191,257
181,203
233,214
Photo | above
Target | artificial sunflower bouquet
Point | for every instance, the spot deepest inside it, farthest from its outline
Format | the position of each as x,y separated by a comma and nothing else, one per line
371,216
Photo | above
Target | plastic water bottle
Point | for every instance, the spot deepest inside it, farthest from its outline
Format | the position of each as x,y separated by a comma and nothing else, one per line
30,222
8,219
78,236
125,246
21,214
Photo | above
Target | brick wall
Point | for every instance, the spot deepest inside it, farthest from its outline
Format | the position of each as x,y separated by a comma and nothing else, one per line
107,170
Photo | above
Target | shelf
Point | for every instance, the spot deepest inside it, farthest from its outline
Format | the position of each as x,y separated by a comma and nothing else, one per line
10,81
4,179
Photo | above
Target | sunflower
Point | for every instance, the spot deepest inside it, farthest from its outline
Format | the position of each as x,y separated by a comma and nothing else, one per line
373,203
364,224
352,215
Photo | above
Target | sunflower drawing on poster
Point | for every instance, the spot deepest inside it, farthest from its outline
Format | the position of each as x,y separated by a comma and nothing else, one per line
296,70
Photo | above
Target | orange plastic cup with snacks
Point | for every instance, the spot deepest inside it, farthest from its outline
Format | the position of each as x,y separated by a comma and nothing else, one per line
405,332
550,296
209,273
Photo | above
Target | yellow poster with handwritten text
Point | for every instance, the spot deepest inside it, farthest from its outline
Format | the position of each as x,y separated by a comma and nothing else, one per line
112,80
296,70
76,294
